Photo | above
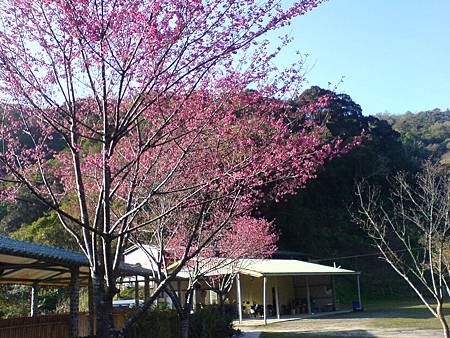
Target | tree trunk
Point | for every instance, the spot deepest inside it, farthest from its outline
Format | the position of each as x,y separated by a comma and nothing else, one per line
221,302
104,309
184,325
185,315
443,321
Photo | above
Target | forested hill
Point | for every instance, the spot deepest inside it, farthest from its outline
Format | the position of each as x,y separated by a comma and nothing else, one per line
317,221
425,134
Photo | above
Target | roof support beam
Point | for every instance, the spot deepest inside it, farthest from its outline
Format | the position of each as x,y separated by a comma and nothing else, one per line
333,290
239,296
265,299
277,302
33,265
359,291
308,295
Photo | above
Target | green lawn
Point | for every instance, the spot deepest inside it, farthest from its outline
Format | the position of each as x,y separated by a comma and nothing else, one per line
377,315
403,314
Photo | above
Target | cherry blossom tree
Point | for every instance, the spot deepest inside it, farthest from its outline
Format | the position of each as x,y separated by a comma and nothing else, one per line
216,224
146,99
216,258
250,238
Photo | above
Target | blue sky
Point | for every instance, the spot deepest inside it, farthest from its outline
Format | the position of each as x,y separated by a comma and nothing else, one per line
394,55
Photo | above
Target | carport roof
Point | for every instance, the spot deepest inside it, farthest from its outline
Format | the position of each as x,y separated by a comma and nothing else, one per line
263,267
23,262
288,267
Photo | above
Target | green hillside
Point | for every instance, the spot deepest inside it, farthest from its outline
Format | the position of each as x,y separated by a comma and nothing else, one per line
425,134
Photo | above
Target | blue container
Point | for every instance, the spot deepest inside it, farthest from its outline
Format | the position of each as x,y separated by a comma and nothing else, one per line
356,306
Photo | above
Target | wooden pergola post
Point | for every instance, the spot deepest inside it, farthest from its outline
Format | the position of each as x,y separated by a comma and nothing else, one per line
34,300
91,315
74,302
239,297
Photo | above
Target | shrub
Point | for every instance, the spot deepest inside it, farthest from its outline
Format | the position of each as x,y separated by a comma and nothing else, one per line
211,322
207,322
156,323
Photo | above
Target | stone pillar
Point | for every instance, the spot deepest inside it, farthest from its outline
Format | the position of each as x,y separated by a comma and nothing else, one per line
74,302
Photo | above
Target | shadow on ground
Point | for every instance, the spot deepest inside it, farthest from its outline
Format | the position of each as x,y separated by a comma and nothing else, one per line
414,313
328,334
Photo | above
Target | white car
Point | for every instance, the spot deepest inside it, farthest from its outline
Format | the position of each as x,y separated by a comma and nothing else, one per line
129,303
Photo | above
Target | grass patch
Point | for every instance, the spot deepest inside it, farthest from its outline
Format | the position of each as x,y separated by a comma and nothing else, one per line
404,314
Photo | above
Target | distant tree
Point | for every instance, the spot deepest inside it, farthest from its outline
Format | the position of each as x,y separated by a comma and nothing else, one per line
23,210
341,115
426,135
316,220
412,233
46,230
14,301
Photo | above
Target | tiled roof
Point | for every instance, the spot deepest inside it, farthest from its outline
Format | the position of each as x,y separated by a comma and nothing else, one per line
14,247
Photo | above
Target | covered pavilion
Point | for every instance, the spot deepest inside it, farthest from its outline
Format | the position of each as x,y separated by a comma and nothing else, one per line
289,281
261,288
37,265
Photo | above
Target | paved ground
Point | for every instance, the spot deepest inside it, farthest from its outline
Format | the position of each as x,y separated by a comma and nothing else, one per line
251,322
364,325
250,334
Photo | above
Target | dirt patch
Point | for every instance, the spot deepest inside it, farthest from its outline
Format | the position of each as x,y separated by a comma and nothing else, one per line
369,324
